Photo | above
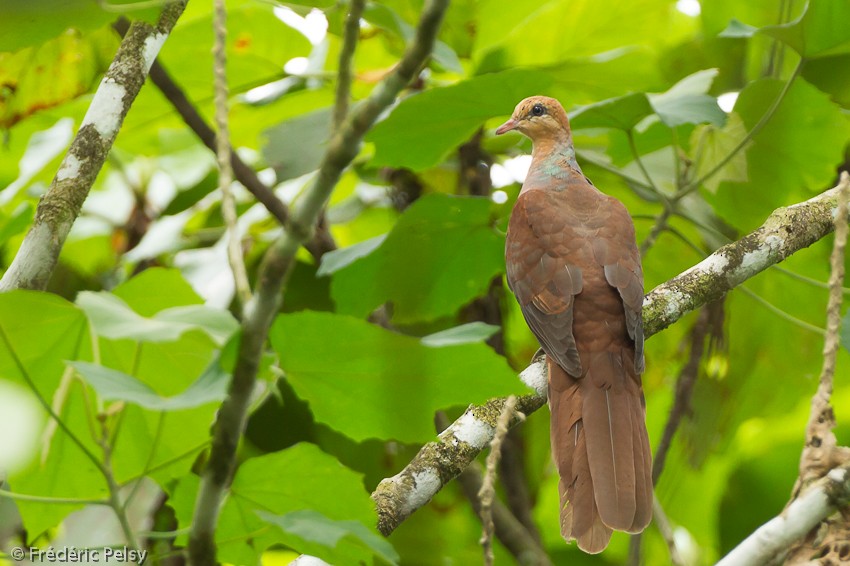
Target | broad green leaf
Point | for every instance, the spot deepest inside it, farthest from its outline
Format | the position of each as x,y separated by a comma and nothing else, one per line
442,253
712,145
830,75
37,21
335,260
463,334
386,18
546,33
299,478
112,318
796,152
606,75
257,47
38,331
819,32
156,289
296,146
382,384
47,75
687,102
425,127
113,385
621,113
61,469
336,542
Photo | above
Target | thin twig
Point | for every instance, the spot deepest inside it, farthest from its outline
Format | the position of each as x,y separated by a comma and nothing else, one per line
817,456
114,489
514,535
274,270
684,390
659,518
223,151
346,58
487,493
321,243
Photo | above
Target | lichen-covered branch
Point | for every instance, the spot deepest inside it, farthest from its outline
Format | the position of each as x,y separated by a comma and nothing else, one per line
61,204
786,231
816,504
274,270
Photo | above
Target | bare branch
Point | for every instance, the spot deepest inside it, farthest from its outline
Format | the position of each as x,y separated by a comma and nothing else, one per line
346,58
61,204
818,453
222,153
816,504
274,270
786,231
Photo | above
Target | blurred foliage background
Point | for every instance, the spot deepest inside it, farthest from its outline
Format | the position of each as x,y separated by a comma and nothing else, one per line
702,117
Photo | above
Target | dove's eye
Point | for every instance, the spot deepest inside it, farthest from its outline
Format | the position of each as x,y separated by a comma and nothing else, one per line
538,110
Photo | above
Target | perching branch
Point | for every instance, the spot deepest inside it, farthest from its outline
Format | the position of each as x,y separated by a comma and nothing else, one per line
786,230
816,504
61,204
274,270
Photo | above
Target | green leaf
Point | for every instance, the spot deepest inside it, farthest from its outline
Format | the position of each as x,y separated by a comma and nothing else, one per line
737,29
52,73
622,113
113,318
425,127
37,21
830,75
820,31
687,102
299,478
441,254
547,33
382,384
712,145
336,542
386,18
296,146
39,332
463,334
156,289
796,152
335,260
113,385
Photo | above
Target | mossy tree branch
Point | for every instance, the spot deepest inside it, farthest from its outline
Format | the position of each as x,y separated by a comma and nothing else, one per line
59,208
786,231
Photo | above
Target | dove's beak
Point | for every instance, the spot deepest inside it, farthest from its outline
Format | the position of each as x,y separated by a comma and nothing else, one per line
506,127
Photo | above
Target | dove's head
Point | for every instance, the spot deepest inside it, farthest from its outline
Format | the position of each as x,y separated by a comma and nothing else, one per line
538,117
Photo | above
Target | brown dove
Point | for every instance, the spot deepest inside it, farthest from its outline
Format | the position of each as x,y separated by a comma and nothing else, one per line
574,267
